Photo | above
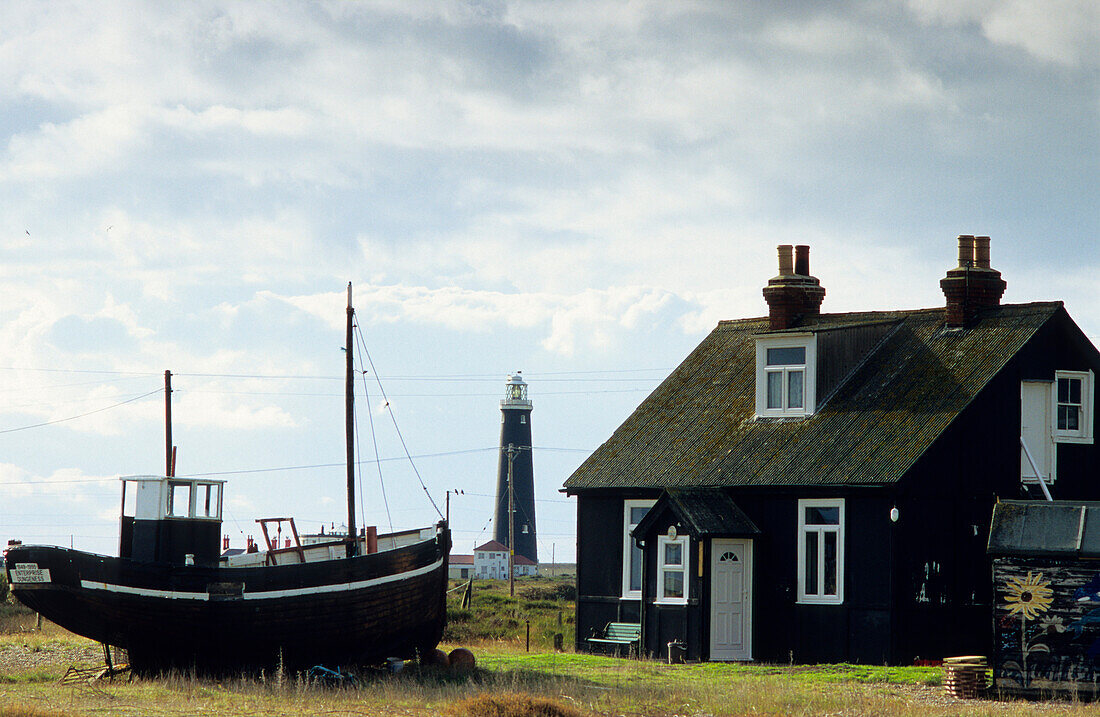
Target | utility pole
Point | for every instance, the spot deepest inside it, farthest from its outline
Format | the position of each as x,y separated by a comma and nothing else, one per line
511,524
447,510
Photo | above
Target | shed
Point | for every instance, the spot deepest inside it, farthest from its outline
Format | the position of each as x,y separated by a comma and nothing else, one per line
1046,581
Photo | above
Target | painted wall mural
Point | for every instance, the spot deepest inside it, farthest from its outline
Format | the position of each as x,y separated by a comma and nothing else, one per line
1047,626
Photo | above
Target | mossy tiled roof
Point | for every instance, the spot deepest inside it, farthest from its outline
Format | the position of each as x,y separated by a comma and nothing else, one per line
698,427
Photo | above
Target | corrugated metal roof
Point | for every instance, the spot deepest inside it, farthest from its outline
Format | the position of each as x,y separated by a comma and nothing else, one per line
1058,528
698,428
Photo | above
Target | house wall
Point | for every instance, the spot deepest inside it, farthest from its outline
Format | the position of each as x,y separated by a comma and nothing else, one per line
944,591
600,563
858,630
920,587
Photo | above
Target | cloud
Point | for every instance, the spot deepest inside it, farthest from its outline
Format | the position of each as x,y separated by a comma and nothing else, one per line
1065,32
566,322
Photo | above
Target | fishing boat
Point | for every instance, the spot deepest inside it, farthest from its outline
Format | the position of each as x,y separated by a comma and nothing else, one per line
174,599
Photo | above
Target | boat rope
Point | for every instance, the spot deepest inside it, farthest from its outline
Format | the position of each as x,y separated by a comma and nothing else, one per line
373,437
389,409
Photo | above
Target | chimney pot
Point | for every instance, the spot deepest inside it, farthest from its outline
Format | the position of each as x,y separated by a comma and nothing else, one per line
794,294
981,252
802,260
786,263
966,250
973,285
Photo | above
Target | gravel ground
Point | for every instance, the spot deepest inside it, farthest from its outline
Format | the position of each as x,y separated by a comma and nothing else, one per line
30,655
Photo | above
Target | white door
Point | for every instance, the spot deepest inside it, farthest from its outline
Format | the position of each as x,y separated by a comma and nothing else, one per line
1035,429
731,599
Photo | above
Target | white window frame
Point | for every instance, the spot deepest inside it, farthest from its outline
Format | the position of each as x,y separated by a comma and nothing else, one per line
820,530
807,341
1083,434
628,544
684,567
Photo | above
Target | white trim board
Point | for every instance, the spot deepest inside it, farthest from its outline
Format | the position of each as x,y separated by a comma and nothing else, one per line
265,594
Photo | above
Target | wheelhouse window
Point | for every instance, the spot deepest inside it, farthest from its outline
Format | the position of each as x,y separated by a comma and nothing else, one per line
672,569
1073,398
821,551
633,512
179,500
785,368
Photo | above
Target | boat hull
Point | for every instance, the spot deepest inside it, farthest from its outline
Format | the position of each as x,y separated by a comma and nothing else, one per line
216,619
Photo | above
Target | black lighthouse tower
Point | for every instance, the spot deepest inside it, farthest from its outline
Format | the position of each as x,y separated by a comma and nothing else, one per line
515,448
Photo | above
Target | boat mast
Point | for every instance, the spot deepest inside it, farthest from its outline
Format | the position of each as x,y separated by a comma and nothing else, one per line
170,450
349,413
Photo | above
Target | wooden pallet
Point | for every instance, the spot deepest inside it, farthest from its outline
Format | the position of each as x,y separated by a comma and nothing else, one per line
965,677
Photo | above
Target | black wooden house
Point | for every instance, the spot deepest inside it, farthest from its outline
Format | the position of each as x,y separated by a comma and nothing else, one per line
819,487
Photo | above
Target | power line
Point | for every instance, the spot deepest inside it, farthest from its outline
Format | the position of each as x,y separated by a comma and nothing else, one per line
82,415
397,377
277,469
480,394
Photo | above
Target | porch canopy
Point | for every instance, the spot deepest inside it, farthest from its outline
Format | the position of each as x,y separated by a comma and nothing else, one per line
1059,528
701,512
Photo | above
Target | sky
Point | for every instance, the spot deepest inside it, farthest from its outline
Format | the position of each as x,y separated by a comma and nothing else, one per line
578,190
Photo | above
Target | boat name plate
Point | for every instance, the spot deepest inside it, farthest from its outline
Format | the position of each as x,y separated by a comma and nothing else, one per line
29,573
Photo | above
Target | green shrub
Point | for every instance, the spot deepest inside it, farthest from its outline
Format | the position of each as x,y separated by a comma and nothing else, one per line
562,591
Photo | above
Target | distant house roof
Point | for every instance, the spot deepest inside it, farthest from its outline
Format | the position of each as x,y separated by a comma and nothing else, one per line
698,428
462,560
523,560
492,545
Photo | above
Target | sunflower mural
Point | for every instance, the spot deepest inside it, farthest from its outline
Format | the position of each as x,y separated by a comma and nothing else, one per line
1029,597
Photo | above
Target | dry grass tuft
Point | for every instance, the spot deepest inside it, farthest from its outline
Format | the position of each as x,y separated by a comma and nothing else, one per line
510,704
19,710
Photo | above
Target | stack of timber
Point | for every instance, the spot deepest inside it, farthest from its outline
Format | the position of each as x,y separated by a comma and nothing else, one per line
965,677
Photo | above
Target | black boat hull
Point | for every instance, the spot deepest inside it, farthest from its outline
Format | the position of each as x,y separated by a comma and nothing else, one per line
216,619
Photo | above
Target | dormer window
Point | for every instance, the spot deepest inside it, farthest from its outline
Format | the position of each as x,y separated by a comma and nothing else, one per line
785,369
785,375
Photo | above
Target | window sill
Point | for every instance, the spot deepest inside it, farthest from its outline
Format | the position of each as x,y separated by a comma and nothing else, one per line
1071,438
820,601
671,601
774,415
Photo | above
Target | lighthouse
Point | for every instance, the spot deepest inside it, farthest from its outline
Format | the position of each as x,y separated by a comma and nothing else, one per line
515,449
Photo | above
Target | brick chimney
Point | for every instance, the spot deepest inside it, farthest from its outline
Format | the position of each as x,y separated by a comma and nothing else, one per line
972,285
793,294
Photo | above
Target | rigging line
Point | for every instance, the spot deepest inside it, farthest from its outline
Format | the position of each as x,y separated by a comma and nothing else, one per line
373,432
397,428
82,415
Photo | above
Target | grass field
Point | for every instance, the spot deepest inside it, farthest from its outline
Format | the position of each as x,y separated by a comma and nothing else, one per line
507,682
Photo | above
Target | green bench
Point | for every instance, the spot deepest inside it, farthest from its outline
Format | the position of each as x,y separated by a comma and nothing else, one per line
619,634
